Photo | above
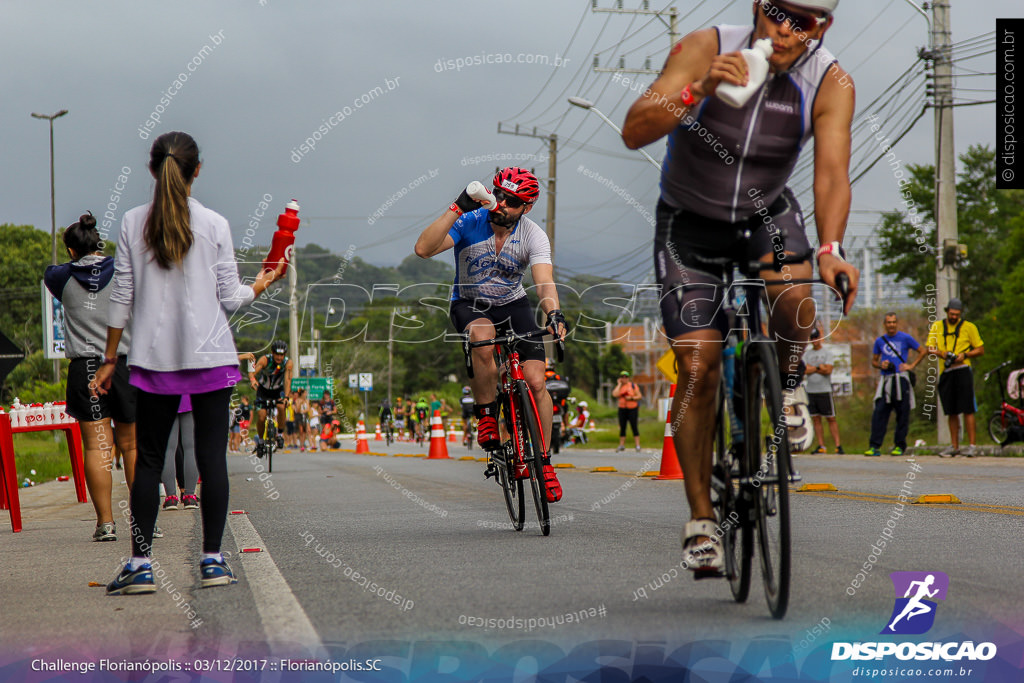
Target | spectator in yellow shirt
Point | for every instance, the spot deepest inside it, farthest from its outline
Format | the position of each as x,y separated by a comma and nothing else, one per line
955,341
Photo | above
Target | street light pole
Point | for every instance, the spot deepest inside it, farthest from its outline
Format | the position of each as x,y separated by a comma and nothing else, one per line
53,215
589,106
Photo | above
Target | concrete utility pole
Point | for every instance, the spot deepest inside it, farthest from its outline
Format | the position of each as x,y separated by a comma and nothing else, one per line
293,317
552,140
673,35
947,280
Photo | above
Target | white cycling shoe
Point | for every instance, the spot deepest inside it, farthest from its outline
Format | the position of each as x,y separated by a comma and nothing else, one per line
706,559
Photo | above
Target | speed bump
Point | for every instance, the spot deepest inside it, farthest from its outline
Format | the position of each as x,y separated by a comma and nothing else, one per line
604,469
937,499
817,487
565,466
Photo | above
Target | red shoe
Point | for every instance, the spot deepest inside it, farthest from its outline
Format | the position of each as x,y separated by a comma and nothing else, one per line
487,433
554,489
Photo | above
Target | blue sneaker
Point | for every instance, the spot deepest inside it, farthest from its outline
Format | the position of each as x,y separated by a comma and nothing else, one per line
216,573
130,582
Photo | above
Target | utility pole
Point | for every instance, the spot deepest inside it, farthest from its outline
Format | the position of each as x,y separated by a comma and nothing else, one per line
947,281
293,317
673,35
552,141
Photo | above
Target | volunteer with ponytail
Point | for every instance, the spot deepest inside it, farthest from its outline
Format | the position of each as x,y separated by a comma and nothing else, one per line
176,281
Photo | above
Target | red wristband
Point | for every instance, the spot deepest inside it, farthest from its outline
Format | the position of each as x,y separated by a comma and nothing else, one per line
687,97
455,207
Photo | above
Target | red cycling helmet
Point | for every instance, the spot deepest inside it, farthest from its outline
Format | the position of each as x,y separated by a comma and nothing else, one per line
519,182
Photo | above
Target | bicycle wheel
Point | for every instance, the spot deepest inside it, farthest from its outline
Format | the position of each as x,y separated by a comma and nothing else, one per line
730,504
511,487
533,453
997,430
767,444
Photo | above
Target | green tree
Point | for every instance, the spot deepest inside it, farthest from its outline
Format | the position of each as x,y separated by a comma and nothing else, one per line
26,254
908,235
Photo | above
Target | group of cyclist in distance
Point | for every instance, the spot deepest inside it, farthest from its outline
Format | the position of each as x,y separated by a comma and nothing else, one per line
703,211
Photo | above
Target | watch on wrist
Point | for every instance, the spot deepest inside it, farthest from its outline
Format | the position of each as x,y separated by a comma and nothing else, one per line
687,96
833,248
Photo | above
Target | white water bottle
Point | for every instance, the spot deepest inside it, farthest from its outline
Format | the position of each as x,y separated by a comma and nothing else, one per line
476,190
757,71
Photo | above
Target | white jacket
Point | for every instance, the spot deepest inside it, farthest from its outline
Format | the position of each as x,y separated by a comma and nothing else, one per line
179,316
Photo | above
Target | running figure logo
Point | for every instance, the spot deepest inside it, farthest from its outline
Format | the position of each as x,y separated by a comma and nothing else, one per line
914,612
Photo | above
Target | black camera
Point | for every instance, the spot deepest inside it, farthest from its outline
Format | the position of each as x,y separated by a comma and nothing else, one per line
950,359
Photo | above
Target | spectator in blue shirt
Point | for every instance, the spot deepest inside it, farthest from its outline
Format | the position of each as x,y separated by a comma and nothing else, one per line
891,355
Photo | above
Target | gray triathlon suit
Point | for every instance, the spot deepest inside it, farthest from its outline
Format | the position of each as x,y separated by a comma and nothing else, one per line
725,171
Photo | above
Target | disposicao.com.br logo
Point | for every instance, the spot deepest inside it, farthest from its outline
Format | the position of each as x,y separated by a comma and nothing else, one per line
913,613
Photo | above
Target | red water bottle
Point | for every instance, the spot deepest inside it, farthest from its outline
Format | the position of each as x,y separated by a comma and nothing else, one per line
284,238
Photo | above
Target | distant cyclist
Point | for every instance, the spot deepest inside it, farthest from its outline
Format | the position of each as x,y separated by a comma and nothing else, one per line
384,415
466,403
726,172
420,415
493,249
269,377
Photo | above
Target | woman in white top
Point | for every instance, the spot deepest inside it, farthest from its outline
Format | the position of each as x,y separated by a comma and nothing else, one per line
176,278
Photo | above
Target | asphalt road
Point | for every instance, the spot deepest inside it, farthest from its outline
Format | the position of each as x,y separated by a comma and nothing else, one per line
412,560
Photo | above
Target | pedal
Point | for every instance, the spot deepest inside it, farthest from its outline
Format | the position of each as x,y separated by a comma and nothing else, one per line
491,471
699,574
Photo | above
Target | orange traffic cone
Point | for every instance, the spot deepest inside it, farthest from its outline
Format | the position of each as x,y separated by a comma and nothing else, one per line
362,446
451,433
592,427
378,436
438,449
669,461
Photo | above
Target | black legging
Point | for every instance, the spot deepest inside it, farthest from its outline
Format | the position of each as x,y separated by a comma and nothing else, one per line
155,414
628,415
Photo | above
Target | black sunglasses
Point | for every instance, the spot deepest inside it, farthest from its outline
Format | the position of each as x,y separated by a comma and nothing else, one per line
797,20
511,201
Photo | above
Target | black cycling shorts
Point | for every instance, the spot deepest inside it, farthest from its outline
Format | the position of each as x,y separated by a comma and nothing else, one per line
266,397
118,403
691,290
517,315
956,391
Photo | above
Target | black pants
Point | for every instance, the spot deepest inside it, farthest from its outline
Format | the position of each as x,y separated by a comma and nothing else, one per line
156,413
628,415
880,417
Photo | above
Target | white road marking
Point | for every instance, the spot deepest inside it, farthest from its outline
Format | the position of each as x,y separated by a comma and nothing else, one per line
289,631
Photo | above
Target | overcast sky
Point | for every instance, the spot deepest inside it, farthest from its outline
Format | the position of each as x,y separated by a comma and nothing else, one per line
267,74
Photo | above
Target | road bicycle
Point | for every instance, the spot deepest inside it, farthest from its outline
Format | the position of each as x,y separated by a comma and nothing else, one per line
522,445
468,432
1007,423
751,474
271,439
389,430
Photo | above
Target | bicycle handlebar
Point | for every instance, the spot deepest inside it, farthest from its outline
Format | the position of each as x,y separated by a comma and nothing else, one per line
510,339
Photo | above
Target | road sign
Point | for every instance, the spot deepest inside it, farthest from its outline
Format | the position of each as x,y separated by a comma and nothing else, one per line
667,365
308,361
53,325
353,381
365,381
314,386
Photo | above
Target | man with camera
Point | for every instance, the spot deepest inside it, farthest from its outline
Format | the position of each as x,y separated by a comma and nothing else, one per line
895,391
956,341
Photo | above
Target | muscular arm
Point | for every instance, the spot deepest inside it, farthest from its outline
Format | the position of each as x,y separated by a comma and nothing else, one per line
288,377
260,364
658,110
833,114
547,292
435,239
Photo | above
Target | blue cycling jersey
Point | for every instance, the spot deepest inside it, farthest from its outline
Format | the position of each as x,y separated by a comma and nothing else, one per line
480,273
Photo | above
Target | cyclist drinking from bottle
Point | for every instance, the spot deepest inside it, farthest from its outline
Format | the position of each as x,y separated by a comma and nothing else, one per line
269,377
493,249
725,172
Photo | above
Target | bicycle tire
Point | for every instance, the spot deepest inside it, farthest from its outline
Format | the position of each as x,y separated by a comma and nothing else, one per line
512,489
997,430
733,512
769,469
533,453
555,440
